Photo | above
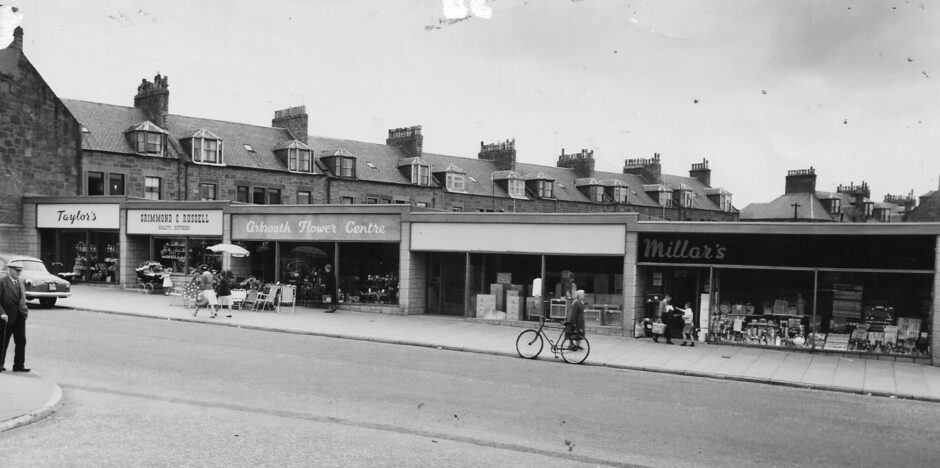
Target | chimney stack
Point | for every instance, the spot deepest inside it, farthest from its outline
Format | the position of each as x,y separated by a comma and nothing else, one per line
503,153
582,163
408,139
649,169
154,99
801,181
294,119
701,172
17,38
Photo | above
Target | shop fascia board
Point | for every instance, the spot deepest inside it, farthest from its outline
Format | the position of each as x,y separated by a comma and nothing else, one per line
319,209
524,218
739,227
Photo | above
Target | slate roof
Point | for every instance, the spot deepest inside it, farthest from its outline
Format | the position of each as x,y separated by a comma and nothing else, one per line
376,162
929,208
810,209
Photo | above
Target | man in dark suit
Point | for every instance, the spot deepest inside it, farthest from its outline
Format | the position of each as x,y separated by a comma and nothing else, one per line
13,312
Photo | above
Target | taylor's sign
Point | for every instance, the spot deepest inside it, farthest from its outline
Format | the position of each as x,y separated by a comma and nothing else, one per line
175,222
334,227
79,216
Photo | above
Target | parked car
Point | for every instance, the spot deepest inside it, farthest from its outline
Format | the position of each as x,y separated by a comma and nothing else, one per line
40,284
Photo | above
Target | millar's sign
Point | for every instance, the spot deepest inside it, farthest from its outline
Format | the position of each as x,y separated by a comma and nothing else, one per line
654,249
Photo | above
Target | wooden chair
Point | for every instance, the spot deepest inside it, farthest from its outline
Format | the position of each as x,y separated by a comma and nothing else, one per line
251,297
268,299
288,296
238,297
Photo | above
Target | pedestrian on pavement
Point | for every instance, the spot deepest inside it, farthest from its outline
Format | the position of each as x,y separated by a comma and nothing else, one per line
329,281
688,328
13,313
207,289
663,312
575,319
224,291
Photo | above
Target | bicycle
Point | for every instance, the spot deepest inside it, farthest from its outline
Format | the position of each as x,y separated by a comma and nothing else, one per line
530,342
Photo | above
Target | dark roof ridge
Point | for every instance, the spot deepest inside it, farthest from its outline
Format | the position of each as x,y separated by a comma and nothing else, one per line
228,122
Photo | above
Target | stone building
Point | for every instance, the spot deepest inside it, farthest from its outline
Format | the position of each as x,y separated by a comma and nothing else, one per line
40,145
848,204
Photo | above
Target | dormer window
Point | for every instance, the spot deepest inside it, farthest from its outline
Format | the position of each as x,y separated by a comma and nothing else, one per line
544,188
420,174
205,147
299,160
869,207
147,138
516,188
296,155
340,162
455,182
596,193
835,206
619,194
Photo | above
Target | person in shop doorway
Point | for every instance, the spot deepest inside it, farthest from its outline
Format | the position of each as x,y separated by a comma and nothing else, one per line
13,314
688,329
663,315
224,291
329,296
575,319
207,289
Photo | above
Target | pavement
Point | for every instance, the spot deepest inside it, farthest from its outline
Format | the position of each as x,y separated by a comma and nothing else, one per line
30,397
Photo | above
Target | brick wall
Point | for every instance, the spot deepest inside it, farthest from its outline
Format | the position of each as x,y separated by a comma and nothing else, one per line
40,140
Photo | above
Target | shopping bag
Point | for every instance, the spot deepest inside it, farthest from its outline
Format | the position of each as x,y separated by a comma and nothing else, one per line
659,328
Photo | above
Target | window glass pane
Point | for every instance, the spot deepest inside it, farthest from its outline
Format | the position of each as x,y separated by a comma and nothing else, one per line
303,198
424,175
197,150
347,167
96,183
208,191
116,184
348,200
154,143
152,188
141,142
274,196
305,161
241,194
292,159
259,196
212,151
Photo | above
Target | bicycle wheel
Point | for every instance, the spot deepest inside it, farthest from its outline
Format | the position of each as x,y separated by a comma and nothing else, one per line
529,344
575,354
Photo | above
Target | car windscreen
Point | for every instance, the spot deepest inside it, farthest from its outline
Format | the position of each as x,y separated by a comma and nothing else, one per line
30,265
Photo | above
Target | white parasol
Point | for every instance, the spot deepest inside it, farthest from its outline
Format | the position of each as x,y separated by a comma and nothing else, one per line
233,249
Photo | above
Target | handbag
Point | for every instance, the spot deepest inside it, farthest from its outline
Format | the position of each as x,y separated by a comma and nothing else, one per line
659,328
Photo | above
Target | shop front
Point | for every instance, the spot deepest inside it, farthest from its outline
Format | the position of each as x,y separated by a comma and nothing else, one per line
312,248
864,290
174,234
80,242
519,267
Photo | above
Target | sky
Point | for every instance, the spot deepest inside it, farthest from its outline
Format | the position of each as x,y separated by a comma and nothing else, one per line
756,87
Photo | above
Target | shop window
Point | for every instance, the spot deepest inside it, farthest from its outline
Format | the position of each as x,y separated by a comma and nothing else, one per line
241,194
299,160
150,143
115,184
259,195
347,200
208,192
455,182
274,196
207,151
152,188
303,198
95,183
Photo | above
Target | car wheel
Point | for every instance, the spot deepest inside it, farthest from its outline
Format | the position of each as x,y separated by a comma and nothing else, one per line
47,302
